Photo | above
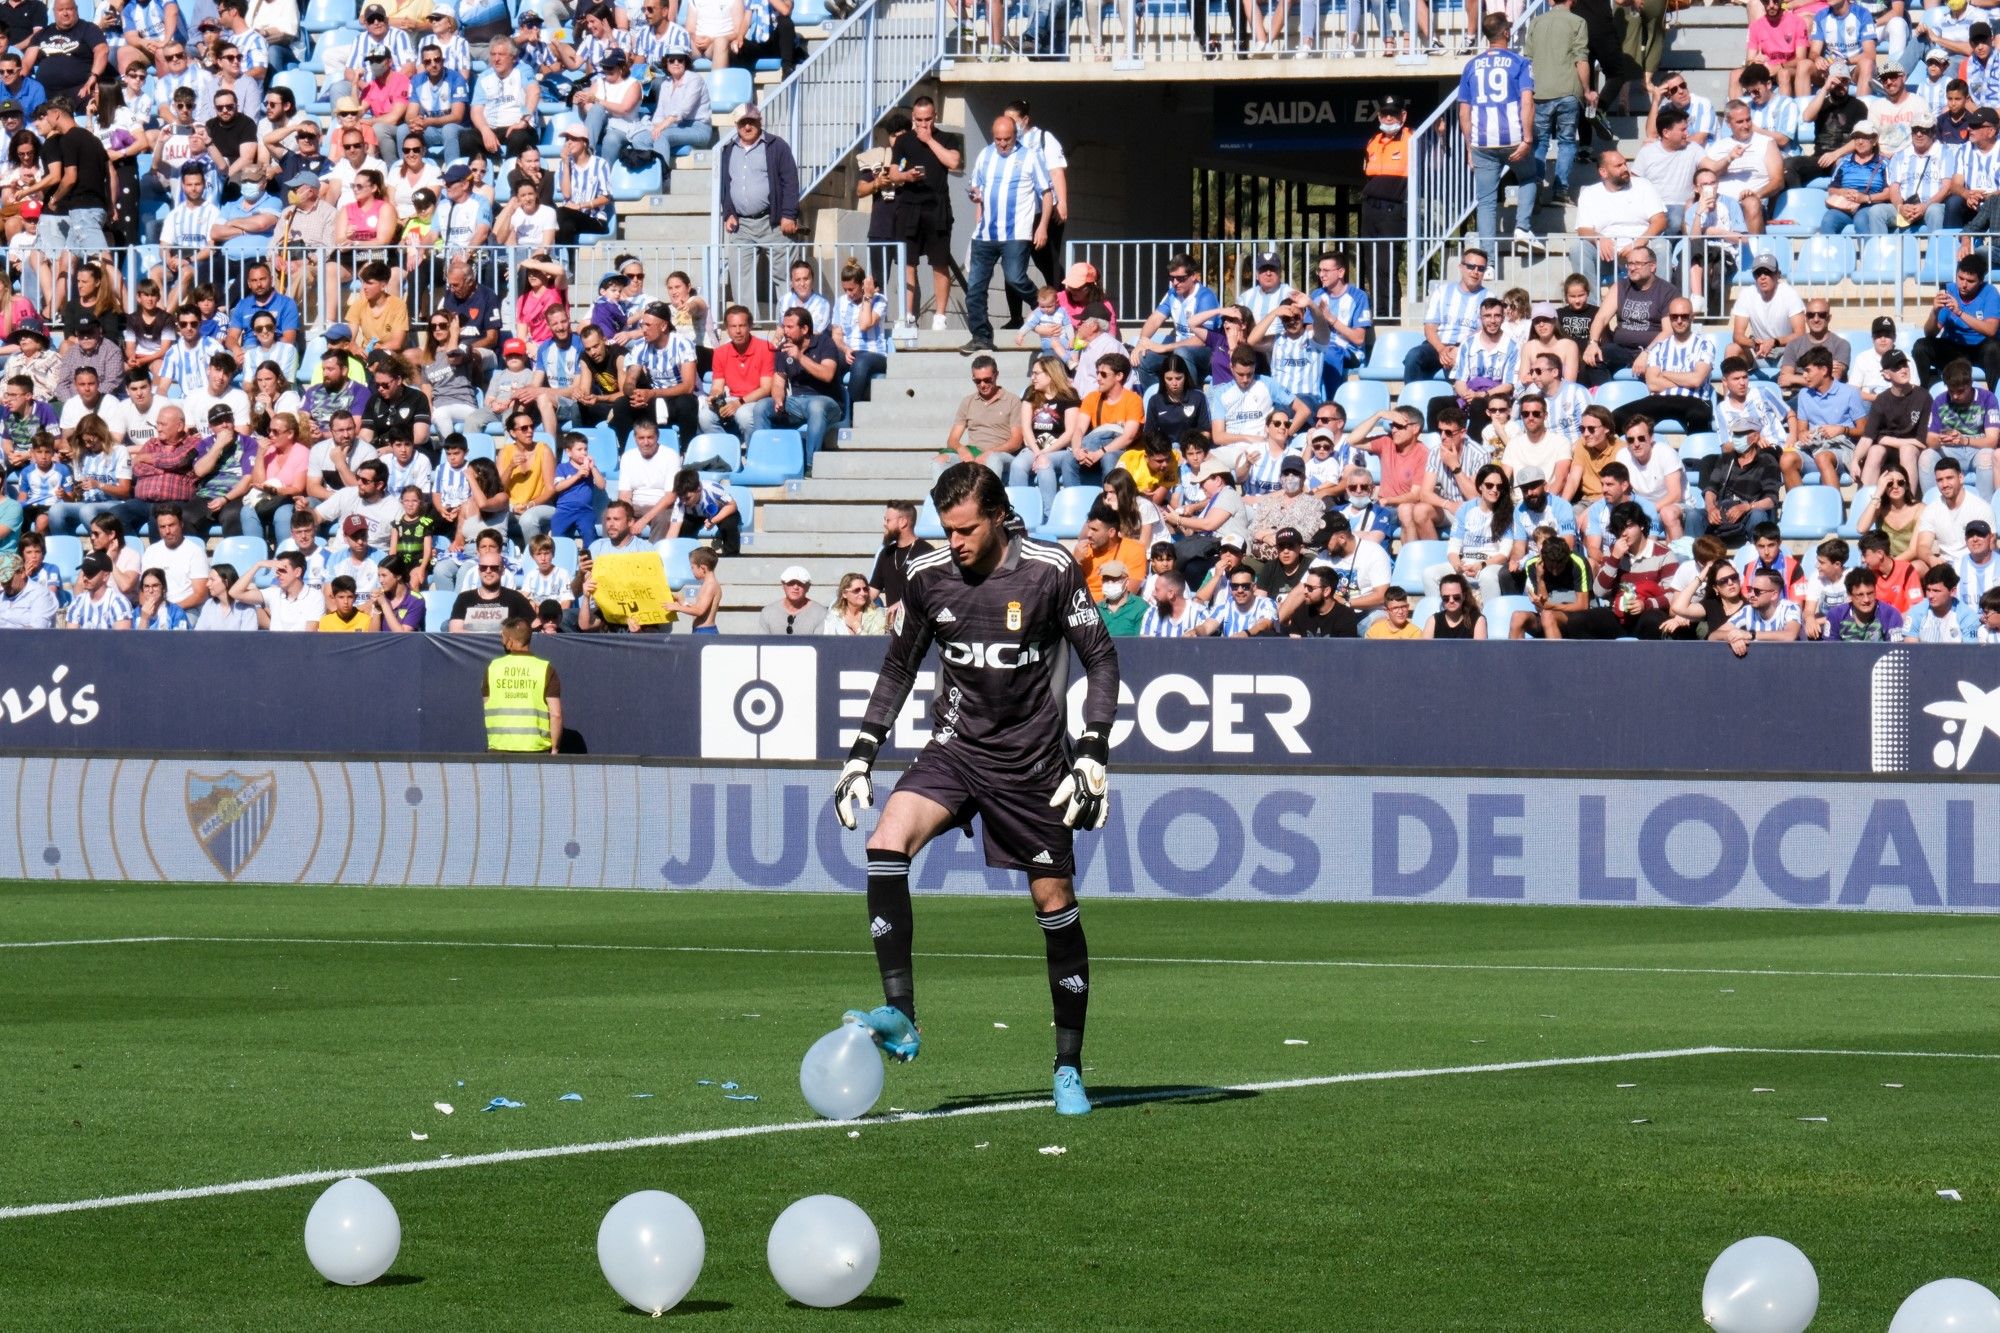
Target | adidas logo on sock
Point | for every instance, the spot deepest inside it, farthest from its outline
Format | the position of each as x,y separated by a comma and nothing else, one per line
878,928
1075,985
1042,859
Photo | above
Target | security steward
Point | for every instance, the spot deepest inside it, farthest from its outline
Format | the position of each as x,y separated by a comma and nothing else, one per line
1385,202
523,696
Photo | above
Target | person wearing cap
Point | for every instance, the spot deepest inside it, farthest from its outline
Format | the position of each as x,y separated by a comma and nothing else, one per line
292,150
1833,113
1844,33
610,104
1201,529
1962,323
1742,488
506,103
760,205
1975,171
1269,290
583,189
87,349
1896,110
681,115
1385,190
1857,192
1768,316
24,603
96,602
660,380
376,37
1896,422
1122,613
794,612
1864,371
1920,178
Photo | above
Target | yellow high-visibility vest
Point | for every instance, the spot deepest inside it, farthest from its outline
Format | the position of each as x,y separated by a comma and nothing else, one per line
517,713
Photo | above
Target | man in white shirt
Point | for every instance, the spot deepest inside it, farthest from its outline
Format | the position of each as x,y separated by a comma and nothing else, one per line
1656,475
1748,166
1669,162
291,607
370,498
646,480
184,562
1769,314
1619,212
1940,538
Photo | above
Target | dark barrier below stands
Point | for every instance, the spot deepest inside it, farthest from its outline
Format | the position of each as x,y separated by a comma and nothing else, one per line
1429,707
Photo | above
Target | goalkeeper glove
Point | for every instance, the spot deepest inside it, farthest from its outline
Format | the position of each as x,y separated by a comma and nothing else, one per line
854,784
1084,794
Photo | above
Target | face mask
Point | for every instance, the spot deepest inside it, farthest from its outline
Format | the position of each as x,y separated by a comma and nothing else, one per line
252,192
1389,126
1292,484
1740,443
1114,590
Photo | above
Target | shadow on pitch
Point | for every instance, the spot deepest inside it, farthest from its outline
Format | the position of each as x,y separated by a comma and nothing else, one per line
685,1308
389,1280
1112,1098
858,1303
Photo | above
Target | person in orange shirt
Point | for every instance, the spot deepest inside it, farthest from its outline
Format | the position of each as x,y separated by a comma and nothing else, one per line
1385,194
1111,416
1896,581
528,471
1101,545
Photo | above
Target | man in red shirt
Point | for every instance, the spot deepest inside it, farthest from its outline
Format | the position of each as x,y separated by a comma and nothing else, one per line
747,388
1406,485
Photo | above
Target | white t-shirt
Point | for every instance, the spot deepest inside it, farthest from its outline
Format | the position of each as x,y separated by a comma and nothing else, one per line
1554,448
295,614
1360,571
646,481
117,415
196,405
188,562
535,230
320,461
1620,214
1772,318
1650,480
1947,525
1865,371
381,514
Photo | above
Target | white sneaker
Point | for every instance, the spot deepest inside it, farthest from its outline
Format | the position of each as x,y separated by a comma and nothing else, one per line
937,324
906,324
1522,236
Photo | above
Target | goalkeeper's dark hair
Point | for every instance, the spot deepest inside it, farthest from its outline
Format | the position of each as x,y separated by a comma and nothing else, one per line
970,481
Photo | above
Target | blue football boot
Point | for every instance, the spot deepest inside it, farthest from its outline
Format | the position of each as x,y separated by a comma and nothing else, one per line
1070,1096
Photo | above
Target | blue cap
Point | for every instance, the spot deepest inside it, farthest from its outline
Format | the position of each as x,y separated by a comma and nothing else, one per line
610,280
338,333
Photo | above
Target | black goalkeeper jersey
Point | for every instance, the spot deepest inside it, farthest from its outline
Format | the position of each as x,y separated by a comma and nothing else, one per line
1002,644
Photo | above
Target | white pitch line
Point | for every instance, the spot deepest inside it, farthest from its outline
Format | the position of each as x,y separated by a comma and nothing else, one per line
1349,963
270,1183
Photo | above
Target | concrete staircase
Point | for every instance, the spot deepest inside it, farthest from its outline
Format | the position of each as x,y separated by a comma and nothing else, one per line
831,522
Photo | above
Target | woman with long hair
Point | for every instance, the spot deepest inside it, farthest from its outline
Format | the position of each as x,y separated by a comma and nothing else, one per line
690,309
103,473
1458,615
1050,412
1893,510
1258,473
364,229
453,373
97,297
121,128
547,286
278,477
1482,542
1179,408
853,612
222,611
1138,517
1543,340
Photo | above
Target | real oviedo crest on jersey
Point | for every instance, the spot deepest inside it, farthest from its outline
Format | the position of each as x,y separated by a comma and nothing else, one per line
1014,616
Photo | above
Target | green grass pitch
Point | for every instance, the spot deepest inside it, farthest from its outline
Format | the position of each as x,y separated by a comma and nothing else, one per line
317,1028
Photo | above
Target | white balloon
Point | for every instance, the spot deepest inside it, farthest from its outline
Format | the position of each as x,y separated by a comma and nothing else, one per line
841,1075
823,1251
352,1233
1950,1305
650,1246
1760,1285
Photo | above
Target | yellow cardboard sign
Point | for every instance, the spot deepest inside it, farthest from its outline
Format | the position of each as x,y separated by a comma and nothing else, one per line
632,588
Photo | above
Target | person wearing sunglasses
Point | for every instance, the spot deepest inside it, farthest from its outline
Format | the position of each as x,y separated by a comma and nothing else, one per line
1171,329
437,112
1451,317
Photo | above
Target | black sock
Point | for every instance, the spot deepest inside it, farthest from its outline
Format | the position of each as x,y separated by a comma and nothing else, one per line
889,922
1069,980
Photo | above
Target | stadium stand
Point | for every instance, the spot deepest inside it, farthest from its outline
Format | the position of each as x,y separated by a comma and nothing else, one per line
418,281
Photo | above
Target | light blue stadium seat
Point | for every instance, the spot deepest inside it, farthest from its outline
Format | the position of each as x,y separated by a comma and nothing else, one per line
1797,214
674,556
479,446
1499,614
1618,393
806,13
1886,259
1066,516
1778,247
773,458
1824,260
1850,528
1810,513
329,16
1701,444
929,525
65,552
628,185
1426,608
1411,562
714,447
730,88
437,609
1939,264
1391,346
1027,502
1362,399
604,452
304,90
1419,394
242,552
566,554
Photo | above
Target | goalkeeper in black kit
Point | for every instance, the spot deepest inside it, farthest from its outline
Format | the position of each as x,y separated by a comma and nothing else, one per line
1003,609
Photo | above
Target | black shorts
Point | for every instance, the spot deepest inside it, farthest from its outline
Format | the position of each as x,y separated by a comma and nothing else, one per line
1021,829
926,235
